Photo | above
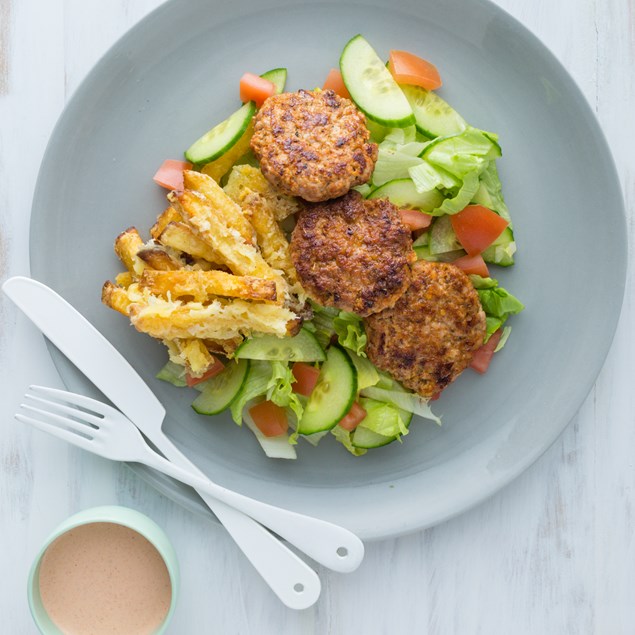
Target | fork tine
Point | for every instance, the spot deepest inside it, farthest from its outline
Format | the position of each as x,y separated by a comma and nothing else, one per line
56,406
76,426
53,430
98,407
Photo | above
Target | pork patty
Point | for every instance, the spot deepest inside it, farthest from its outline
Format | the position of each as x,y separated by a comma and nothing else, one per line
353,254
313,144
430,335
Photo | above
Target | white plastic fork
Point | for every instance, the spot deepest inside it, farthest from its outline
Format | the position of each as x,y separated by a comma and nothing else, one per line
103,430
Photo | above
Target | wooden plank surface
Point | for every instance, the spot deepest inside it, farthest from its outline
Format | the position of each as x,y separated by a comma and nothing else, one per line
554,553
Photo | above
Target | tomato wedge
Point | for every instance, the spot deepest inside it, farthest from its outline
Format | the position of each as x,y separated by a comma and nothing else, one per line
170,174
473,264
270,418
212,371
335,83
407,68
477,227
483,356
255,88
414,219
306,377
353,417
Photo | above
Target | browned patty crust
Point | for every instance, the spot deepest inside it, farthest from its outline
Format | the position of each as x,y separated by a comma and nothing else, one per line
429,337
313,144
353,254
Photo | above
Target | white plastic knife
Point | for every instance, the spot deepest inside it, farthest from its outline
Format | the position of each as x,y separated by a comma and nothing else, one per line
292,580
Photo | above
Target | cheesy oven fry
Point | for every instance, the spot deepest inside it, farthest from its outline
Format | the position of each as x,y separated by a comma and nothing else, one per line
220,320
179,236
224,208
159,259
115,297
170,215
199,285
127,245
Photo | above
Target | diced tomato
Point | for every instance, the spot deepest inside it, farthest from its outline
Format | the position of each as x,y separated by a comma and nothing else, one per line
483,356
414,219
255,88
477,227
170,174
270,418
407,68
473,264
212,371
353,417
436,396
335,82
306,377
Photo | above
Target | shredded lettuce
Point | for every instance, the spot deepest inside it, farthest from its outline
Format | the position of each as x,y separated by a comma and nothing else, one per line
256,385
173,373
462,198
408,401
383,418
490,191
498,304
427,177
279,388
367,374
322,323
460,154
344,437
350,332
504,337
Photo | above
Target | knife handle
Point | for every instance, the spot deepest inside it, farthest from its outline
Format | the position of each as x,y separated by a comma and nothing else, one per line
290,578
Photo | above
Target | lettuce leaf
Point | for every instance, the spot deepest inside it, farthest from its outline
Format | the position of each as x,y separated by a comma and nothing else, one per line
256,385
344,437
383,418
498,304
427,177
350,332
279,388
462,198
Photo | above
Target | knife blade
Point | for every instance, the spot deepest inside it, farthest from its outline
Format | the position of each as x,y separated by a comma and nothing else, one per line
293,581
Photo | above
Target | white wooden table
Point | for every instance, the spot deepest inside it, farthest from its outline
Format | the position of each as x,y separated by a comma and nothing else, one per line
554,553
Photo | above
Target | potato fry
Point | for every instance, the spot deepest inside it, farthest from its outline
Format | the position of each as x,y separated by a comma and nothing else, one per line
245,179
224,347
127,244
224,207
159,259
124,279
242,258
179,236
115,297
273,243
170,215
220,320
199,285
198,358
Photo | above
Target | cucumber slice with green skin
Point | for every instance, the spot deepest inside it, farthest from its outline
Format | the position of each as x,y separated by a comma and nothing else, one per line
423,253
278,77
434,117
402,193
442,236
333,395
221,390
302,347
364,437
222,137
372,87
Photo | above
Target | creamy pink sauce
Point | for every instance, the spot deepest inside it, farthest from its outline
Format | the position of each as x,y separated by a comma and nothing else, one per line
104,578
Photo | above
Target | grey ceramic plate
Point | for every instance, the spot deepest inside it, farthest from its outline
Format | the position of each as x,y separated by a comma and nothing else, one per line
175,74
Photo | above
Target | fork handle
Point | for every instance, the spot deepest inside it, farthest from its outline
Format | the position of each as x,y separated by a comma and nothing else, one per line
331,545
290,578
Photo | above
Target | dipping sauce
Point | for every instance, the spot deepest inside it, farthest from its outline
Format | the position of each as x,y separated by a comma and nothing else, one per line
104,578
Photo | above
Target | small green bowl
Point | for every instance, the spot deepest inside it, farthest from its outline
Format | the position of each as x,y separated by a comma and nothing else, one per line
107,514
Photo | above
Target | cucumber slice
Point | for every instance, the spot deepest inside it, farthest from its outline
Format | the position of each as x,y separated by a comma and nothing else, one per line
434,117
423,253
333,394
364,436
278,77
302,347
372,87
221,390
402,193
222,137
